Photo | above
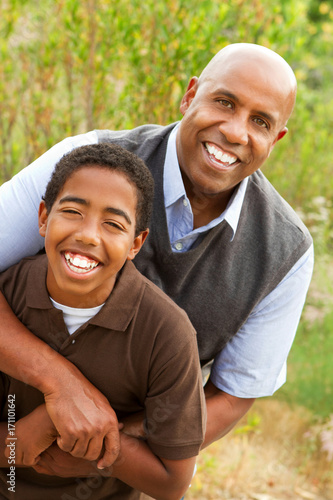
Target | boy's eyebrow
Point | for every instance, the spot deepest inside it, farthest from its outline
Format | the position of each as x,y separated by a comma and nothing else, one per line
117,211
111,210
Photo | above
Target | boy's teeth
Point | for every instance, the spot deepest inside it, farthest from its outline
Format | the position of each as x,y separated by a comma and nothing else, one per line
80,265
219,155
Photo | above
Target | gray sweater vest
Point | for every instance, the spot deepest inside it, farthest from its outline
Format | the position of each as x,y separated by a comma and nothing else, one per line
219,282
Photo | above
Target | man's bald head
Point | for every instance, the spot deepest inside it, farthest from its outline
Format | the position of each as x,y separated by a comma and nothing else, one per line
233,116
272,69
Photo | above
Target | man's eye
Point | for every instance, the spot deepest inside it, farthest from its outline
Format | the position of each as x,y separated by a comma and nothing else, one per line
225,103
260,122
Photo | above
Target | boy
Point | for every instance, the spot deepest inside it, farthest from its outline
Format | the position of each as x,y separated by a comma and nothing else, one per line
86,299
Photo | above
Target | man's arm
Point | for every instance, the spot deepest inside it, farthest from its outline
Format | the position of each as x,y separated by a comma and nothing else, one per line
223,412
81,414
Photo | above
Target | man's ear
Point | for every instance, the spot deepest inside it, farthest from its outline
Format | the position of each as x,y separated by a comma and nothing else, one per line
42,218
137,244
189,95
281,134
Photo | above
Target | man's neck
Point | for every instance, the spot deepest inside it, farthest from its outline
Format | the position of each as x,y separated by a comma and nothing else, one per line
206,208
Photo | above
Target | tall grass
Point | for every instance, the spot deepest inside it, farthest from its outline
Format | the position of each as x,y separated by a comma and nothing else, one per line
310,368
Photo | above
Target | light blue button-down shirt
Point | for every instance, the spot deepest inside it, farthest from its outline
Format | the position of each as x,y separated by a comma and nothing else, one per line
253,363
178,207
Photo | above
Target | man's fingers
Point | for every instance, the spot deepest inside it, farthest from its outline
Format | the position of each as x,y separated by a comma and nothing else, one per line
94,449
112,448
66,443
87,449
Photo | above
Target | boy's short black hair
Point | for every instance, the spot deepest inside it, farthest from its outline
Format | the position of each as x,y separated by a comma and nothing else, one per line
115,158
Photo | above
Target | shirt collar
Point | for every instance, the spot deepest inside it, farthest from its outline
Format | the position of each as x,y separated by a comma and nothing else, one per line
173,185
174,189
119,308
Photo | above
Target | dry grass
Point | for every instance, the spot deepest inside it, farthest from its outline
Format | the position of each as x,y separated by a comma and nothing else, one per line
273,454
274,458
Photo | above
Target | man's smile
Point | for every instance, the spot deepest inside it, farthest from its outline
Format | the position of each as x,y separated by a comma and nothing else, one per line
220,155
80,263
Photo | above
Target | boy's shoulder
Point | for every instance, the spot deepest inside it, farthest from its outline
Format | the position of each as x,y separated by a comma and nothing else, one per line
24,284
15,278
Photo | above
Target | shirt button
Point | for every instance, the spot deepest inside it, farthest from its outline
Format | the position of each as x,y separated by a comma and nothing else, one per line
178,246
73,341
185,202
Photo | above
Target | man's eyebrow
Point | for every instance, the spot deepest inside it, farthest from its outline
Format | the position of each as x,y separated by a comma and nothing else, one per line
111,210
269,117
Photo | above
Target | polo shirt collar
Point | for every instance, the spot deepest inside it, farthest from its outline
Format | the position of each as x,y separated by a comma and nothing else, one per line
174,189
119,308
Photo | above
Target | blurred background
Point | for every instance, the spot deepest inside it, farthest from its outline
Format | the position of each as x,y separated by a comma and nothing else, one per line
70,66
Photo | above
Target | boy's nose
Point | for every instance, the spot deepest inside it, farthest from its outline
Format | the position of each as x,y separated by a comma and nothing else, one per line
89,233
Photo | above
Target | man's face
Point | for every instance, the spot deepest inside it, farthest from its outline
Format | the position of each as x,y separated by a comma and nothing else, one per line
231,122
89,234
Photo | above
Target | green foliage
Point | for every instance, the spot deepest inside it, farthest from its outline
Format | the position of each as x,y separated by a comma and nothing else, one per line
310,371
70,66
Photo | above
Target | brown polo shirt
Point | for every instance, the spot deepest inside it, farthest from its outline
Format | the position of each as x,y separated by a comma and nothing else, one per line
140,351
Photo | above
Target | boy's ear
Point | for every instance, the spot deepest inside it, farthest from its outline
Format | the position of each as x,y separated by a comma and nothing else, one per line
137,244
42,218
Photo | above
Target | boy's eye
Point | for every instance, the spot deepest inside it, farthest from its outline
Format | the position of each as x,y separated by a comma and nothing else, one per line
70,211
116,225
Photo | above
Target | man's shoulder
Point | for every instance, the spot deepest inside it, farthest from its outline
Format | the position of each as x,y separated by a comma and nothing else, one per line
140,140
265,195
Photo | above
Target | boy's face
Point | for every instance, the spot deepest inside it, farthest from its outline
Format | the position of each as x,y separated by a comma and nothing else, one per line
89,234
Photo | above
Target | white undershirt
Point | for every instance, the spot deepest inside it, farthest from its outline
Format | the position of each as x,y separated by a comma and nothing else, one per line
74,317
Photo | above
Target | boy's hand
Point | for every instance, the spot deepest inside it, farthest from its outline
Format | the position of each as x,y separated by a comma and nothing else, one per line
133,425
34,434
55,462
84,420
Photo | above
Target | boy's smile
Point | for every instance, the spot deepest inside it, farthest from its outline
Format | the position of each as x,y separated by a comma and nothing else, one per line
89,234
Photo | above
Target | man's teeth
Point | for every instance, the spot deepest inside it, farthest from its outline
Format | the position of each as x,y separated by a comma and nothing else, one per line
222,157
80,265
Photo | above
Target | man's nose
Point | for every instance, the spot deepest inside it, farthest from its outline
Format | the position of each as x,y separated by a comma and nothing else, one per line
235,130
89,233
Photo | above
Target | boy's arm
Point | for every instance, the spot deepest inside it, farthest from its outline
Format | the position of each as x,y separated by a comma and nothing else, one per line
81,414
30,436
158,477
136,465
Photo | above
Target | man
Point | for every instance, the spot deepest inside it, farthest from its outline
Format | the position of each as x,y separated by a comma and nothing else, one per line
223,244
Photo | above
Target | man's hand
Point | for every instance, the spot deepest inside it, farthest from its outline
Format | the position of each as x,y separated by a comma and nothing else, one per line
84,420
34,434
